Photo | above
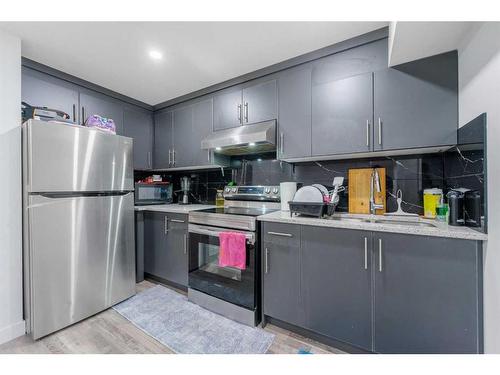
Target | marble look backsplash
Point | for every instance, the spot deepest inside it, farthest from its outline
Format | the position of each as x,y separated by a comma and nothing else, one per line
411,174
461,166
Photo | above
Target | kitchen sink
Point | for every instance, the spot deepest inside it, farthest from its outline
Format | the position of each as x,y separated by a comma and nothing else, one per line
402,222
383,221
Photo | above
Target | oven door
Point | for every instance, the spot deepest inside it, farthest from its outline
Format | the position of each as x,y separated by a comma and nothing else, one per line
227,283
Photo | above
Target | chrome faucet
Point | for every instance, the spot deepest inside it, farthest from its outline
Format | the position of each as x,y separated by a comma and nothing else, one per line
374,180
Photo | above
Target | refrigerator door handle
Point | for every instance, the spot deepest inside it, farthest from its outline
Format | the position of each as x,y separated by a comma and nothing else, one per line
76,194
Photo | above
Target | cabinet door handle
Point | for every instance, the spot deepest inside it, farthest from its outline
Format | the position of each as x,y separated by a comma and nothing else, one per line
266,261
379,255
367,133
185,243
366,253
239,113
379,131
169,157
74,113
165,224
173,157
208,155
280,234
246,112
83,116
282,143
149,159
177,221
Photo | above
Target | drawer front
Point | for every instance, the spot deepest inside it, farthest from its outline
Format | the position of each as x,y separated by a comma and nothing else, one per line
282,234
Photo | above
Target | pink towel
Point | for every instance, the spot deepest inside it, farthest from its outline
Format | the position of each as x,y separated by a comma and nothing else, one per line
232,251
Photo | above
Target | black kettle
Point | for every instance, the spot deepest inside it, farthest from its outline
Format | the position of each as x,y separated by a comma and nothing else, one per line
472,208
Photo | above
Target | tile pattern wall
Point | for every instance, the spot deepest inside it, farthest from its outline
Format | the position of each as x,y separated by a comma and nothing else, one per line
462,166
412,174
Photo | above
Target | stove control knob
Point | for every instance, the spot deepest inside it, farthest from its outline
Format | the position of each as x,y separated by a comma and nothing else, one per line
233,190
267,190
275,190
228,190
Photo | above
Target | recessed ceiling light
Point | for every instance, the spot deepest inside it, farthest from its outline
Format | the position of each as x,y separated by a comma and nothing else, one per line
155,55
218,149
251,144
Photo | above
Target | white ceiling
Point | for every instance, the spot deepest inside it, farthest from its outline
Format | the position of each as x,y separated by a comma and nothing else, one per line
196,54
410,41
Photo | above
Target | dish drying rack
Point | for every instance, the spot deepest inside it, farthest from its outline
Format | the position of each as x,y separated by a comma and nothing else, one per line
319,209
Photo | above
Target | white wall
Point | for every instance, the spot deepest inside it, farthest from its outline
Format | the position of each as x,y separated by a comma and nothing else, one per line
11,306
479,81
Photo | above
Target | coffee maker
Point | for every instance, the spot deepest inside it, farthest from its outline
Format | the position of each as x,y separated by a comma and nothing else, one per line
185,189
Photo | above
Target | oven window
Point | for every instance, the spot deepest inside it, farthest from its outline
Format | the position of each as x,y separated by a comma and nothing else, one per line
228,283
208,259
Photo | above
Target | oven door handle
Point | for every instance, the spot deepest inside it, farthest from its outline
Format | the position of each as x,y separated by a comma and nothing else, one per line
209,231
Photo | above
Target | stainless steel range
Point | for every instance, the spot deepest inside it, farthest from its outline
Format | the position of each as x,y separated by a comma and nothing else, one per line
229,291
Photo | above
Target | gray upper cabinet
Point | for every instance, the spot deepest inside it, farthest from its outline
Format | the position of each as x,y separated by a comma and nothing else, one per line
228,109
337,283
184,150
281,273
259,102
416,104
342,115
427,295
138,124
294,117
93,103
163,139
165,246
42,90
236,106
202,127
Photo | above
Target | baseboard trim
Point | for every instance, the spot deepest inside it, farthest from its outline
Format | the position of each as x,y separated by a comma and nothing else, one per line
13,331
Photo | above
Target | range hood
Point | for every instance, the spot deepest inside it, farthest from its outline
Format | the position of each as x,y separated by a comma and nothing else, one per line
243,140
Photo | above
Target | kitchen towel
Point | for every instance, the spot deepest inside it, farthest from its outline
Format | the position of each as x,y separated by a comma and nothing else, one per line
232,250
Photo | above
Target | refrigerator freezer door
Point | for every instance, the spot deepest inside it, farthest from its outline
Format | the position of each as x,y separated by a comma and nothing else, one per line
81,255
63,158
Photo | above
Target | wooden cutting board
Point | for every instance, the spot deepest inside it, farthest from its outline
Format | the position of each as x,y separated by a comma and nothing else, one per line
359,191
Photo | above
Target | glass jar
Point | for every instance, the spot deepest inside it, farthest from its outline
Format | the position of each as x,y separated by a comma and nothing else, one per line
219,199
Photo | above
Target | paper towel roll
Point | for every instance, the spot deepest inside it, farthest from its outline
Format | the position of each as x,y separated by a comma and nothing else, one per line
287,191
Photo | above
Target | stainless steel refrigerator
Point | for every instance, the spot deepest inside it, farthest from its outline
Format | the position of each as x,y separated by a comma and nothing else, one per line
78,223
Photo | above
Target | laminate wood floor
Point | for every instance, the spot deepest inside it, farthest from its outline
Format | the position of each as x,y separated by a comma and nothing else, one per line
109,332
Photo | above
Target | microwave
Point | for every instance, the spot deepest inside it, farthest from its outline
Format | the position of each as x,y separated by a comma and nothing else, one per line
154,193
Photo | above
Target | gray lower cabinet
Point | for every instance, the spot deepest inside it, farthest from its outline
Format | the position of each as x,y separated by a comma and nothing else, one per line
281,273
337,283
163,139
228,109
138,124
42,90
342,115
259,102
416,104
165,246
382,292
294,116
427,295
93,103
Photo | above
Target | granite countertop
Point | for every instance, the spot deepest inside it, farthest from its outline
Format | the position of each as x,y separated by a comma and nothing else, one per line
174,208
354,221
